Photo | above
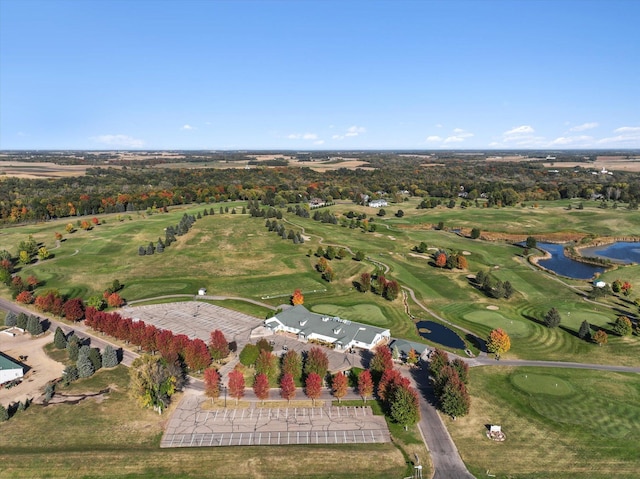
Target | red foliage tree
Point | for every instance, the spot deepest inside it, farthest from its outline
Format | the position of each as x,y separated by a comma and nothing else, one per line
211,383
365,282
297,297
33,282
339,386
114,300
287,387
218,345
365,385
73,309
57,307
313,387
196,355
261,387
95,221
149,338
316,362
25,297
390,380
165,343
441,260
236,385
382,359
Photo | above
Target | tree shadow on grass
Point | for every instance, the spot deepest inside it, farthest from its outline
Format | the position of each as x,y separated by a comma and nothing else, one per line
534,319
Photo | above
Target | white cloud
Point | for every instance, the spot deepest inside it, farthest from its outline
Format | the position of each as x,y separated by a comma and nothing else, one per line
302,136
351,131
319,142
118,141
628,129
459,136
584,126
628,136
355,130
519,130
582,140
187,127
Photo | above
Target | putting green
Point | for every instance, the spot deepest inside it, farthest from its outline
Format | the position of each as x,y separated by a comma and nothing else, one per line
515,328
367,313
542,384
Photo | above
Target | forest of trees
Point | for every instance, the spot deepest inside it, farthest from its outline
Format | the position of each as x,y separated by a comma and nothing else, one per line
136,187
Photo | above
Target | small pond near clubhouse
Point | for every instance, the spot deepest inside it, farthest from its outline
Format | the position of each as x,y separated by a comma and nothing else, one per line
439,334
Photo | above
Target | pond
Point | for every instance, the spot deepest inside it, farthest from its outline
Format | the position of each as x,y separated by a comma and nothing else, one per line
622,251
439,334
560,264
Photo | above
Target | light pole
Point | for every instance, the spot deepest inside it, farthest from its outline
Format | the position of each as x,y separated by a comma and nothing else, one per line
225,395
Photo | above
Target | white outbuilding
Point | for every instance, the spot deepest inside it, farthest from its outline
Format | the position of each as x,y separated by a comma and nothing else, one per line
9,369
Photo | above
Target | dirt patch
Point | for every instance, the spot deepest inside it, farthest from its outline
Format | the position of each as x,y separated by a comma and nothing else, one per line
40,368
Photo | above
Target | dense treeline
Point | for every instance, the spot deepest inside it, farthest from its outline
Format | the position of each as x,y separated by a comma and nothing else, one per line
112,190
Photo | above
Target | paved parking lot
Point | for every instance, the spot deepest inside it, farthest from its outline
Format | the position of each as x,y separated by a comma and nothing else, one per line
190,426
196,320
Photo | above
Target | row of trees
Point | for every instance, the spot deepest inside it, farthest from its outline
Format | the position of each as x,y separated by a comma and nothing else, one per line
378,284
185,224
87,360
29,323
112,190
494,287
280,230
450,379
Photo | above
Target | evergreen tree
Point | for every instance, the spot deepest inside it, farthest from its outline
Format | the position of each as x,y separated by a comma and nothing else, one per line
4,414
96,358
22,321
585,330
84,364
70,374
34,326
59,339
11,319
109,357
73,347
552,318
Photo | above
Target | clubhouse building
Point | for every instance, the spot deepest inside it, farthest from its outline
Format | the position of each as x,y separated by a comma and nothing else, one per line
340,333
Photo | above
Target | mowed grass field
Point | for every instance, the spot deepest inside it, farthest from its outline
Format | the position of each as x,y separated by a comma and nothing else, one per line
560,423
113,437
235,255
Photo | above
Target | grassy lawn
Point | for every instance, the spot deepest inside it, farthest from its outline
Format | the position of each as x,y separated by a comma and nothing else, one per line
558,423
114,437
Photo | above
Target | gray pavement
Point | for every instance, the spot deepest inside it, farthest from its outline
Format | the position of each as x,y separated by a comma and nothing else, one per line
192,426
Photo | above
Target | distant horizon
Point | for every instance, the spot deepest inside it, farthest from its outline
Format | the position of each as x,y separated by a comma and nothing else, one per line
355,150
319,75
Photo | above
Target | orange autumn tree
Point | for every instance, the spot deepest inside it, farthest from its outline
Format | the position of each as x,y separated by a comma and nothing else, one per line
297,297
498,342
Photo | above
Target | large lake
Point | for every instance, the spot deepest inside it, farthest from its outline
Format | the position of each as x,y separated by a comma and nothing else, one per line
564,266
622,251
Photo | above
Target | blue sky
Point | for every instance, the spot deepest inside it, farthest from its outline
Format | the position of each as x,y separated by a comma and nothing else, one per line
303,75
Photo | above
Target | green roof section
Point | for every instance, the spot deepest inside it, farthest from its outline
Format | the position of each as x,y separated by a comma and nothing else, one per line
6,363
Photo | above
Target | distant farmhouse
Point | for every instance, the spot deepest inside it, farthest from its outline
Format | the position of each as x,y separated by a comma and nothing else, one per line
378,203
9,369
341,333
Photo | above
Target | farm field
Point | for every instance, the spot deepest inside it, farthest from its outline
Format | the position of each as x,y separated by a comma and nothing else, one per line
559,423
